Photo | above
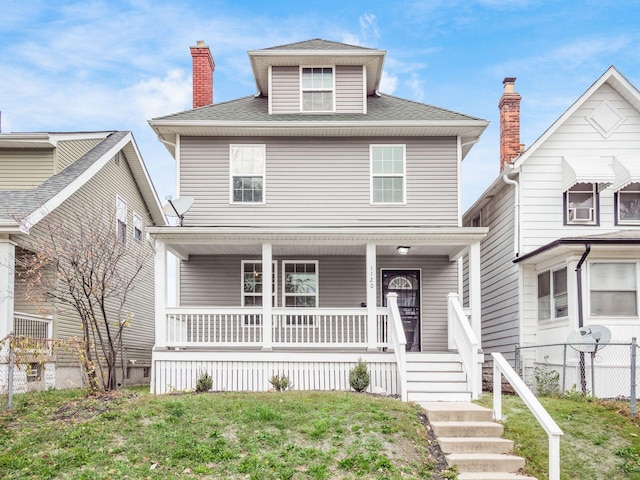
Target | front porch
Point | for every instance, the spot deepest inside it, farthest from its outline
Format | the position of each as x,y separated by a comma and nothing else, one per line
346,311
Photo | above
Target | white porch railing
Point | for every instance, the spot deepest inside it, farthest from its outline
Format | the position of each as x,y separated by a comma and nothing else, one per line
398,341
308,327
501,367
464,340
27,325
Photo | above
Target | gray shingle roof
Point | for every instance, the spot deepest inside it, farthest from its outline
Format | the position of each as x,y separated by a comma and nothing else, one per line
255,109
317,44
20,203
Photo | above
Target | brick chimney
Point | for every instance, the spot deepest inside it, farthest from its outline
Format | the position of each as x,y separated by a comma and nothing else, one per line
203,67
510,146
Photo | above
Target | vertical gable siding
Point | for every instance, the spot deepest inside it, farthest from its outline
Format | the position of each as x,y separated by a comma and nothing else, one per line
349,89
69,151
24,169
285,90
541,184
320,181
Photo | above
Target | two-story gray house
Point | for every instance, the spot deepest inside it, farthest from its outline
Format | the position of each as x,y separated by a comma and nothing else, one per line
61,182
325,227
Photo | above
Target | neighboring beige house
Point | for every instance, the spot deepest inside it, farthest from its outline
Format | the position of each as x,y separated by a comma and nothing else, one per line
346,199
563,249
56,175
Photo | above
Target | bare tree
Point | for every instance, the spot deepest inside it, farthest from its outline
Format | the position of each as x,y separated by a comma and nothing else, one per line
83,262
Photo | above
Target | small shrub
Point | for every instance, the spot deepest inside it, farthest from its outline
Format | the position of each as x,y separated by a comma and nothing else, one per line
280,383
547,379
205,383
359,376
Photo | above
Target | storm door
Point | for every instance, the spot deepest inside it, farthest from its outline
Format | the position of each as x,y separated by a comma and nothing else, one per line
406,283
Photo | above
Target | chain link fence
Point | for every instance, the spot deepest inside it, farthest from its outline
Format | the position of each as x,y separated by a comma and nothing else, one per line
608,372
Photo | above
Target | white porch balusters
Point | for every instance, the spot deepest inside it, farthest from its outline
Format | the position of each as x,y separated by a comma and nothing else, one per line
475,300
267,296
7,277
161,295
372,300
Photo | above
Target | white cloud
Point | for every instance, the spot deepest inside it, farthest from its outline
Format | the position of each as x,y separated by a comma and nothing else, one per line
416,85
369,28
155,97
388,83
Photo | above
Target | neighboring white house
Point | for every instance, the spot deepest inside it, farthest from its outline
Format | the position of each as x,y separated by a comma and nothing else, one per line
339,195
563,249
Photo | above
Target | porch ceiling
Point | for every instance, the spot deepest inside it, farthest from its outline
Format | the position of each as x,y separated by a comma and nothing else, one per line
186,241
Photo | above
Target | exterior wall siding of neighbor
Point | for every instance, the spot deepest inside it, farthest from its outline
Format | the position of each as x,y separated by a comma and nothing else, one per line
24,169
207,280
68,151
294,197
541,190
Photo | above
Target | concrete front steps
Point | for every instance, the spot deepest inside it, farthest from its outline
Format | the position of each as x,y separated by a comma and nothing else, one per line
436,377
470,439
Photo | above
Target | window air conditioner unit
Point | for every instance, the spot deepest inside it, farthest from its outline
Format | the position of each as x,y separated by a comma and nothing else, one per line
581,214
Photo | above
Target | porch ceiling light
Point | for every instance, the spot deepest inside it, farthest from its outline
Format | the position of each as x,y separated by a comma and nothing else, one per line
402,250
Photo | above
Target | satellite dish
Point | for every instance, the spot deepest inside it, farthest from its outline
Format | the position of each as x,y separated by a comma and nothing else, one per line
589,339
178,207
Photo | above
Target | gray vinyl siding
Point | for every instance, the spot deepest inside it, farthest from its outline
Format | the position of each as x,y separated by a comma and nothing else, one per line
68,151
24,169
321,181
100,193
215,281
499,277
349,89
285,90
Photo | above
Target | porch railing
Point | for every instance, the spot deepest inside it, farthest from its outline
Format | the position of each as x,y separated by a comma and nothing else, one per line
315,327
464,340
35,326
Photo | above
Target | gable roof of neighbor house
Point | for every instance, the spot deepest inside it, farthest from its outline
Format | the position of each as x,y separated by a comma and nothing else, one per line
33,205
612,77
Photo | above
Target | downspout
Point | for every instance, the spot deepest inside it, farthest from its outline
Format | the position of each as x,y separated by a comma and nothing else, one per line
579,280
516,212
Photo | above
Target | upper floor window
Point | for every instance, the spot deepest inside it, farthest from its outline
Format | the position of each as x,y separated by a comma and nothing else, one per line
581,204
628,200
137,227
317,89
614,288
247,170
387,173
121,220
553,300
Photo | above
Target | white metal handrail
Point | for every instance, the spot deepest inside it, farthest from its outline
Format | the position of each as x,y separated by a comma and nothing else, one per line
502,368
464,340
398,341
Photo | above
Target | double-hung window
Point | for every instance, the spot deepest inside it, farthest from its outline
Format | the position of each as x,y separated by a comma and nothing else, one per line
317,92
300,283
553,301
628,200
613,288
252,283
581,202
137,227
121,220
388,179
247,170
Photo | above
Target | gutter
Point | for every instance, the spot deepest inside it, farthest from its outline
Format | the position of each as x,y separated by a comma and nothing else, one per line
578,241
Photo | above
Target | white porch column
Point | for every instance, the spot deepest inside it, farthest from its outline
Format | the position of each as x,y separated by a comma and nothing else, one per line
267,297
475,300
7,277
372,299
161,294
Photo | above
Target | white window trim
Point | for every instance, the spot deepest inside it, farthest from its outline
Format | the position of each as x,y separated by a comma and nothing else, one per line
594,208
137,221
616,317
552,318
264,173
275,281
332,89
619,221
284,284
404,173
121,206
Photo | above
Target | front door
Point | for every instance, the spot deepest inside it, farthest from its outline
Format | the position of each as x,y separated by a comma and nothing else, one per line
406,283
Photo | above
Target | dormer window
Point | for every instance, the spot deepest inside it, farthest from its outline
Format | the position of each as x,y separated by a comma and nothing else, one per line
628,200
317,89
581,204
